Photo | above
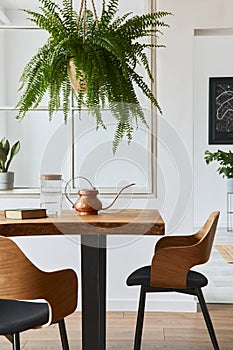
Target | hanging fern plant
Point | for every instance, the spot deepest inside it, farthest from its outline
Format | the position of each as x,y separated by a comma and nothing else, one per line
96,57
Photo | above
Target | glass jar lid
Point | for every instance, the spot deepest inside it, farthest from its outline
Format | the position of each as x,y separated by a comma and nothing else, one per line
50,177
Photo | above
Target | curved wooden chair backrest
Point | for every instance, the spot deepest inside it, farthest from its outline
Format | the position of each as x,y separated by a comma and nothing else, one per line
175,255
21,279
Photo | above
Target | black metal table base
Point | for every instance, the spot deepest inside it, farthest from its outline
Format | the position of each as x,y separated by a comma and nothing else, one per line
93,276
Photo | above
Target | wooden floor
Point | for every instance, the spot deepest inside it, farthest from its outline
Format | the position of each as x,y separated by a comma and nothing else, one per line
163,331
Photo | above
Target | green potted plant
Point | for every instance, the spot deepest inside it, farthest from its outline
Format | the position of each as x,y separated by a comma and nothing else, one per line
225,169
7,153
95,56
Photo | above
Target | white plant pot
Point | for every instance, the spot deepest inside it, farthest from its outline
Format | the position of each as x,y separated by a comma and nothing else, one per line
7,180
230,185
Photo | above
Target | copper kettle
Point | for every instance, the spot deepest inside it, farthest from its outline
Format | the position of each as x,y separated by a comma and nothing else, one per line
88,203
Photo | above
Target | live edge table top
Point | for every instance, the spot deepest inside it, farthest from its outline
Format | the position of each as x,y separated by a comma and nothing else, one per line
114,222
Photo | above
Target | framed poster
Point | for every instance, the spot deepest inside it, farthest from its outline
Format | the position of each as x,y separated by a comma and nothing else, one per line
221,110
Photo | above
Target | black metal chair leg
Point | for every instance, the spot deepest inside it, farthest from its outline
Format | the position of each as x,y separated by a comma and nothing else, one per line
63,334
140,319
15,341
207,318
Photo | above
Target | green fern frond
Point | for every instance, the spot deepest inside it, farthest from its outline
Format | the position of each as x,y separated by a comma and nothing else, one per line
57,85
109,13
119,21
44,22
51,6
36,88
146,65
137,55
108,43
138,26
161,14
80,100
145,89
55,22
124,128
70,17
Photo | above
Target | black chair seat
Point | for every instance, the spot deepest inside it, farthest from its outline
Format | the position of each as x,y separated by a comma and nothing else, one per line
141,276
18,316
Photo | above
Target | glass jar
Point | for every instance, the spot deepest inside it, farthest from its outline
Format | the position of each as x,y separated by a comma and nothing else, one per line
51,193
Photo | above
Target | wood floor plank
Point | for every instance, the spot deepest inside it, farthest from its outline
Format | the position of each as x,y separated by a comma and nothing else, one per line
6,345
197,334
168,345
49,345
162,331
128,345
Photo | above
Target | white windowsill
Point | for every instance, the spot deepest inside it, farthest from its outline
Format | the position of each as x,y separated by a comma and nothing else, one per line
35,192
21,192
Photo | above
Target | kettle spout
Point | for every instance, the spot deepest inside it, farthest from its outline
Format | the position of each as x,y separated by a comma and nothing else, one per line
118,194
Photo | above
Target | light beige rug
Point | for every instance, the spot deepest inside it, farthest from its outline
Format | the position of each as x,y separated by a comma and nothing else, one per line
226,251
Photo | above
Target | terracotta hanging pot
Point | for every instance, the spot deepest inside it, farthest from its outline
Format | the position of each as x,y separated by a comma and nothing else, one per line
79,84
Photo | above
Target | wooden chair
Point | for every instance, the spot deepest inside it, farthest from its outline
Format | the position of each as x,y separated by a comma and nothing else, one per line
170,271
20,280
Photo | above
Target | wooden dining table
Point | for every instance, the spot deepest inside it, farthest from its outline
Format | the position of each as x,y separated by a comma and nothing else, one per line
94,230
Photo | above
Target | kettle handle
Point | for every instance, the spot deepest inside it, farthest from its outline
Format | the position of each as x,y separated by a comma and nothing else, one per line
67,184
123,188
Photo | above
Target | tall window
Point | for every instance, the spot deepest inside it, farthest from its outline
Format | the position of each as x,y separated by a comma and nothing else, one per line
75,148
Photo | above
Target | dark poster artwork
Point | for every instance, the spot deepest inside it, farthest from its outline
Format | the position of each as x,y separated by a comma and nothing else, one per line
221,110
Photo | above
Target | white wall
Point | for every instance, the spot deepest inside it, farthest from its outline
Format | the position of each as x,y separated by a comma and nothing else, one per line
213,57
176,79
2,80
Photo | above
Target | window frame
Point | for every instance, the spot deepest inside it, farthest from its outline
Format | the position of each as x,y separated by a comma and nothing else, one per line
151,142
